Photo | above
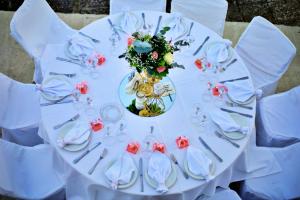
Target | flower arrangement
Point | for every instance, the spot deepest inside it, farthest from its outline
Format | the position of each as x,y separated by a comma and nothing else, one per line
153,54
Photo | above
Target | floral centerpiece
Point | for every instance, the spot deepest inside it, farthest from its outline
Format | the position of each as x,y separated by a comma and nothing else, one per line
152,57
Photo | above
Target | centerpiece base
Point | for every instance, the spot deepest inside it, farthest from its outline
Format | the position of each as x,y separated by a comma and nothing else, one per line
146,96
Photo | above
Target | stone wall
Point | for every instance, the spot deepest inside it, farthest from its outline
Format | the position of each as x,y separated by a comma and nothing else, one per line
278,11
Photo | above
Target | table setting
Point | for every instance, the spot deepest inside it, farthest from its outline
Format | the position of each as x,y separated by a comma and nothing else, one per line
147,103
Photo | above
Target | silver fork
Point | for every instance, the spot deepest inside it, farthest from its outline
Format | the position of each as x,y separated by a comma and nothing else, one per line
70,120
231,104
102,155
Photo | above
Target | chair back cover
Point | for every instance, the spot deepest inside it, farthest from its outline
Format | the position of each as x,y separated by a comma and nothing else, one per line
210,13
33,26
27,172
283,185
19,112
277,119
267,53
117,6
222,194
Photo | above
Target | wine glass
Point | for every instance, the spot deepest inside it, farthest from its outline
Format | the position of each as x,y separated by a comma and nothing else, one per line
148,142
122,135
199,117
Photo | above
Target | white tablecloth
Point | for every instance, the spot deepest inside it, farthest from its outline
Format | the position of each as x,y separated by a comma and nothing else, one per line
237,165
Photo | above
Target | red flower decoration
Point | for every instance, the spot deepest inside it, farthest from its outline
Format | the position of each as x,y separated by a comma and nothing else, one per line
215,91
161,147
130,41
182,142
82,87
101,59
154,55
97,125
161,69
198,64
133,147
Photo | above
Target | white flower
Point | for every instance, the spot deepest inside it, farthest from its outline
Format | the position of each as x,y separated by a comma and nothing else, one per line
168,58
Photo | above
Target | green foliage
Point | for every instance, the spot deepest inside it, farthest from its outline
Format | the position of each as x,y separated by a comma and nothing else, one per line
132,108
147,52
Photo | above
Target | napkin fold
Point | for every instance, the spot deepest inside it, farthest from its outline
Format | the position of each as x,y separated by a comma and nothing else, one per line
77,135
218,52
225,122
177,25
198,163
163,89
129,22
80,47
240,91
159,169
56,87
121,171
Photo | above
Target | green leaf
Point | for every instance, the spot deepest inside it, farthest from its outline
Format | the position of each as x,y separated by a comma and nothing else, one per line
178,66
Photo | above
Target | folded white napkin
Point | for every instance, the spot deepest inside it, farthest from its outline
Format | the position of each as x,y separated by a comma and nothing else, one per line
198,163
77,135
218,52
177,26
240,90
56,87
121,171
130,87
159,169
79,46
225,122
129,22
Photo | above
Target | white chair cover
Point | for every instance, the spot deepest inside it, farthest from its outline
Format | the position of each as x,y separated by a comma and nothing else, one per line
27,172
34,25
117,6
283,185
222,194
19,112
210,13
277,119
267,53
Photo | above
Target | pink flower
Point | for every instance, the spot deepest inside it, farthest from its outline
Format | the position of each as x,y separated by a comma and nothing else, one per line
154,55
130,41
101,59
82,87
161,69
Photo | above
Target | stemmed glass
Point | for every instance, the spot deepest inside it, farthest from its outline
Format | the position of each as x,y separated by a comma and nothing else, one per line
198,117
121,133
148,142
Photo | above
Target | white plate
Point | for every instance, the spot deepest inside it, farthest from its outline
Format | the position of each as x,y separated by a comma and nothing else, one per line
198,177
72,147
250,100
171,180
240,120
230,53
51,78
122,186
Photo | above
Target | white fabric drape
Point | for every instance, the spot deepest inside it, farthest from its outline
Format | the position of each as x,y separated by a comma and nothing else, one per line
267,53
117,6
19,112
277,119
211,14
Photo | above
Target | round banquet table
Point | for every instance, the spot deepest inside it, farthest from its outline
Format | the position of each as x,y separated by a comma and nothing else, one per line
168,126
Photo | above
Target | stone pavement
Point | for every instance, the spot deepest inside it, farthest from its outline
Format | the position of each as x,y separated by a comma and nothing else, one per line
17,64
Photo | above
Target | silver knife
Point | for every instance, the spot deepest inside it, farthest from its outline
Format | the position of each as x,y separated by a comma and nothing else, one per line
173,158
158,24
212,151
231,111
236,79
232,62
91,38
200,47
76,160
63,74
69,120
228,140
141,171
69,61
